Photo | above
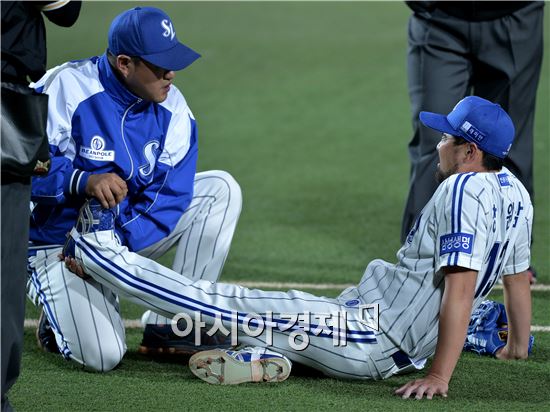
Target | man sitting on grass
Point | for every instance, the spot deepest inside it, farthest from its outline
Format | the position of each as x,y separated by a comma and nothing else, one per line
475,228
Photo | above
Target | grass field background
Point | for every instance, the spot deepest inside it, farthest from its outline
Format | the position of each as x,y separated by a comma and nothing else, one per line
306,105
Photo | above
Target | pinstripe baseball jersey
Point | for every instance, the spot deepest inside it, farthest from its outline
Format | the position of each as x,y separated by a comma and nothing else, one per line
479,221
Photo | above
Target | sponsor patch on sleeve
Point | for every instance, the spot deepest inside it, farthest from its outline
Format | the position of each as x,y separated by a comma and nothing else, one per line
456,242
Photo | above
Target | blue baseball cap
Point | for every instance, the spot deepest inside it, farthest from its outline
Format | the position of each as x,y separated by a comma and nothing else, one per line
148,33
477,120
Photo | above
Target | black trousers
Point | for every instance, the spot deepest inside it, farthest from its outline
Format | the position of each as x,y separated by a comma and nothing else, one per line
448,59
24,141
16,195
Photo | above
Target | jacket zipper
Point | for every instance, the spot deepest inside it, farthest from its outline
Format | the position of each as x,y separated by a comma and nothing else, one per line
124,140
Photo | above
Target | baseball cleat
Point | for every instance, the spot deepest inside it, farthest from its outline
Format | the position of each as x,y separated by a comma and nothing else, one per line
161,340
231,367
45,338
92,218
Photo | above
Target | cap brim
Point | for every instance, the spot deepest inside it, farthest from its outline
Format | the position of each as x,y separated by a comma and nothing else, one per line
177,58
437,122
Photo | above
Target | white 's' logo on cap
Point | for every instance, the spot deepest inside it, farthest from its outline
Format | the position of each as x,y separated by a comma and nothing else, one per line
168,29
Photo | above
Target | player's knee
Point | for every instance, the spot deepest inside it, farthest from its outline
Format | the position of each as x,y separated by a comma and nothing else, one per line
103,359
227,186
104,364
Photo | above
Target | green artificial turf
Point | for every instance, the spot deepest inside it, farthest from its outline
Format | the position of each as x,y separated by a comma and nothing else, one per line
306,105
50,383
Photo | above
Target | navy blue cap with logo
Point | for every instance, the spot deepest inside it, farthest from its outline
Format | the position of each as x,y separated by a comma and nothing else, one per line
148,33
477,120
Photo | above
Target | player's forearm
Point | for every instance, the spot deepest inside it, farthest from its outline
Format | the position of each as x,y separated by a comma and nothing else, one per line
454,316
453,323
517,299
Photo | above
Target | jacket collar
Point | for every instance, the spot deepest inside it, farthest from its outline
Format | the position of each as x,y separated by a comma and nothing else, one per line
114,87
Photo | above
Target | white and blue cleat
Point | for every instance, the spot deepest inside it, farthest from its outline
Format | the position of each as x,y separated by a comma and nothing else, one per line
231,367
92,218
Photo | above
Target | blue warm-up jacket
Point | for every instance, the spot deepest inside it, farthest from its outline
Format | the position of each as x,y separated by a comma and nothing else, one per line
96,125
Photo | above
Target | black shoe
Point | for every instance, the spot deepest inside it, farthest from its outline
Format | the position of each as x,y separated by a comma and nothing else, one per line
45,336
161,340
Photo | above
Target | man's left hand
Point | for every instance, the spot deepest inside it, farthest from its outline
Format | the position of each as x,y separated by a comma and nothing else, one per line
429,386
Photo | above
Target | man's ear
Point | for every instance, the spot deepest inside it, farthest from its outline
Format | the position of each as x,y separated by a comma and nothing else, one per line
472,152
124,64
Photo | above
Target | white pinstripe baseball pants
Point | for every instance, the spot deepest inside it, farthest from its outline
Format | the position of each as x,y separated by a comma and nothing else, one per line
365,355
84,314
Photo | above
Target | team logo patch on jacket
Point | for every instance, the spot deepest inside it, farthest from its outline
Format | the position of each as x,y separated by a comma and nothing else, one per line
97,151
150,151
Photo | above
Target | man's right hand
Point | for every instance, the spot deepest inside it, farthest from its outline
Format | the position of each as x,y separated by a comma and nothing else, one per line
108,188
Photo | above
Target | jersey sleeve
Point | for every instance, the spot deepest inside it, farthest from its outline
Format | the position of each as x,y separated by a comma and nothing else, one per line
61,12
63,179
520,257
462,225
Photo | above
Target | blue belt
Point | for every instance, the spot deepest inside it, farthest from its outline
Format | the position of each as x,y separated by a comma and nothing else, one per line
32,248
